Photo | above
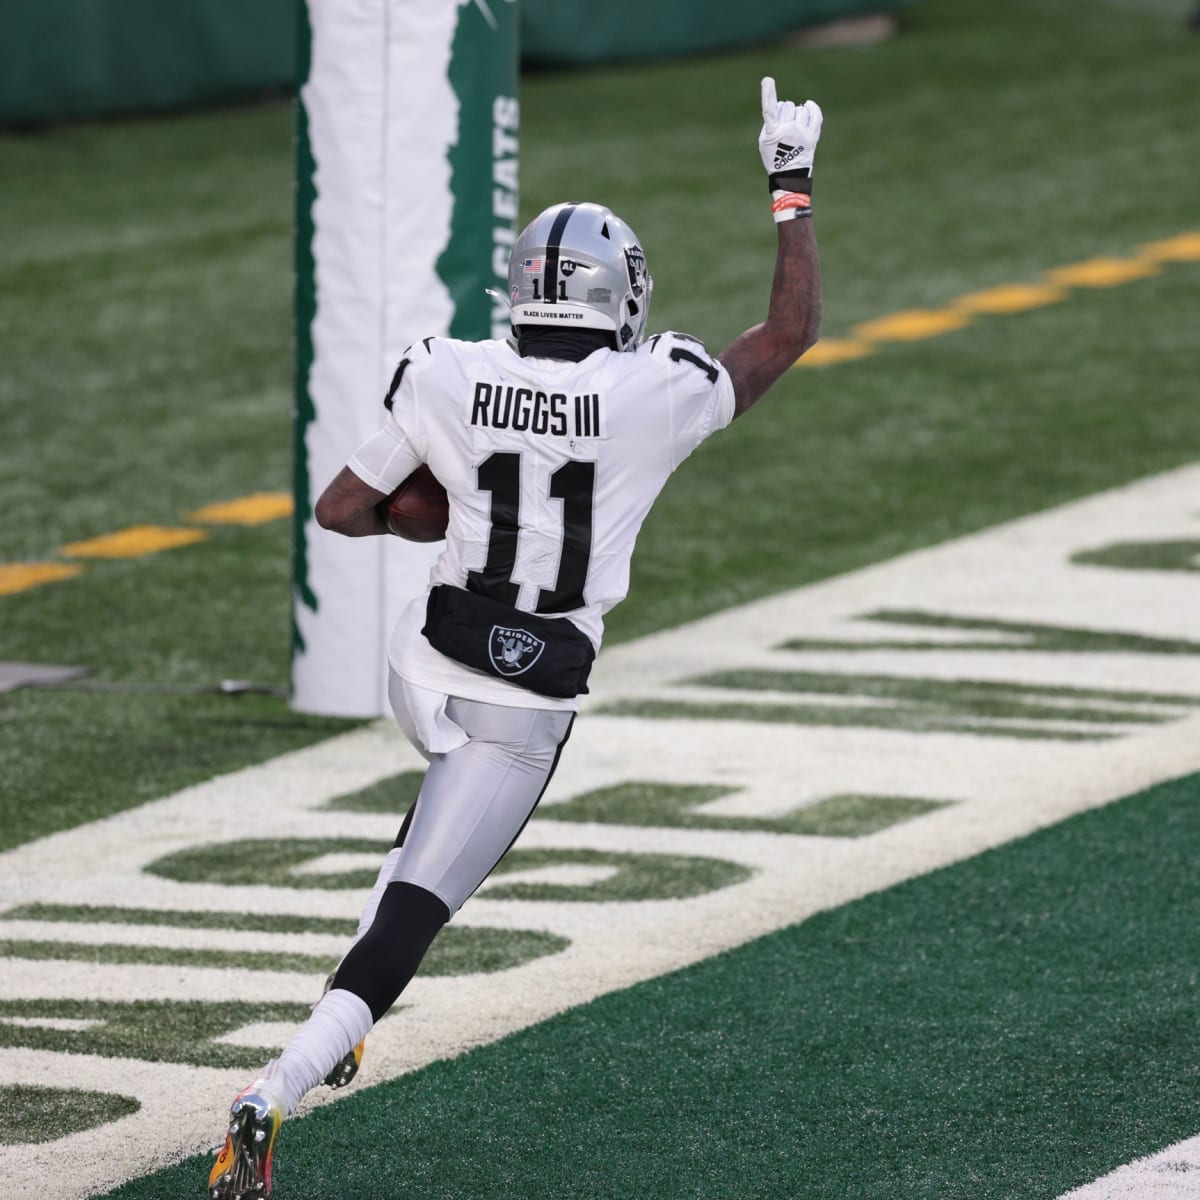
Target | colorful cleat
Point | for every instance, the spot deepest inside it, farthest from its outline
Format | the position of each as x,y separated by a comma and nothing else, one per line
347,1068
243,1168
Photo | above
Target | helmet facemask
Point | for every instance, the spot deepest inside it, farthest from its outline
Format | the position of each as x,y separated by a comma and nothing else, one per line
635,309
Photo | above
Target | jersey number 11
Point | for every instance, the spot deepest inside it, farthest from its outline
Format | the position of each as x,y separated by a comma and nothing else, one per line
574,483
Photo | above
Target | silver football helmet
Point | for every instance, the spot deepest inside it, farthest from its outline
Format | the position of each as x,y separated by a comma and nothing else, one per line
579,266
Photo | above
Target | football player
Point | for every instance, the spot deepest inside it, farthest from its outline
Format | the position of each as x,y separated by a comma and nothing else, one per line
552,447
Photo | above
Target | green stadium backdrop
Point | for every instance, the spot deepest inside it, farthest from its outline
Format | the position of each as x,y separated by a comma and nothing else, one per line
61,59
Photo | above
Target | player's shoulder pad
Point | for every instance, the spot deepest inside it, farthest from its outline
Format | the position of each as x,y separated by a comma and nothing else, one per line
681,351
417,356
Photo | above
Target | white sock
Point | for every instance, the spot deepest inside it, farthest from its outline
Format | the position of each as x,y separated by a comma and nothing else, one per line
338,1023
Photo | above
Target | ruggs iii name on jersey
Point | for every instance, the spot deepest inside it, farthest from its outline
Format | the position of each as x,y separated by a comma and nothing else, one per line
550,467
526,410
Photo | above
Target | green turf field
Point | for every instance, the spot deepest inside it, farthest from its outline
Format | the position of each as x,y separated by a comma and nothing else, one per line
145,320
146,315
1008,1027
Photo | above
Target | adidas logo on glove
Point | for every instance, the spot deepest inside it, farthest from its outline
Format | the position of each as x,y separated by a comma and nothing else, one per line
785,153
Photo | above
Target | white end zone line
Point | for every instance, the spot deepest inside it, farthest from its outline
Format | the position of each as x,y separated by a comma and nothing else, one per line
996,787
1171,1174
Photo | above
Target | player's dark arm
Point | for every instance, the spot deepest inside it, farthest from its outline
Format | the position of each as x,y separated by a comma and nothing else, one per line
762,354
351,507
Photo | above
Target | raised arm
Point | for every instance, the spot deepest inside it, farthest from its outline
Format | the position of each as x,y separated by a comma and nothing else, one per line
762,354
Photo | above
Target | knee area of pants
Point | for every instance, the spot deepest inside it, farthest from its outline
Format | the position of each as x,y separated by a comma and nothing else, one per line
402,896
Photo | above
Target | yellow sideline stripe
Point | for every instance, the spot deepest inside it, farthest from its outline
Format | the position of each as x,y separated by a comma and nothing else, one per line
917,324
140,540
1103,272
20,577
134,542
1009,298
910,325
835,350
1184,248
257,509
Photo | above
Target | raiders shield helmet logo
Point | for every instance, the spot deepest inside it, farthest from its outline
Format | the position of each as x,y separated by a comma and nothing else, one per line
513,650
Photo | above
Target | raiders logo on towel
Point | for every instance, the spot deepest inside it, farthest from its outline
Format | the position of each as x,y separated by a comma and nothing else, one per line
513,651
546,655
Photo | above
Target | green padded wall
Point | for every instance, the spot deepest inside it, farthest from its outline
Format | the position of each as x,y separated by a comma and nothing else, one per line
562,32
72,58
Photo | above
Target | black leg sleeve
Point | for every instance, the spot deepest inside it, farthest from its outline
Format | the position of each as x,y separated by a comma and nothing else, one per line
381,963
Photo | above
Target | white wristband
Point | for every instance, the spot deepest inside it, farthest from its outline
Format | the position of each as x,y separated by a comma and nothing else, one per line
790,206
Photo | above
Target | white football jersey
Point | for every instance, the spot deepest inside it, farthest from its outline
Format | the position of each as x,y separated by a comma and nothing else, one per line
550,467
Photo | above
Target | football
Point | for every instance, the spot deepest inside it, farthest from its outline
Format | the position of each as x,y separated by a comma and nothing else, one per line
418,509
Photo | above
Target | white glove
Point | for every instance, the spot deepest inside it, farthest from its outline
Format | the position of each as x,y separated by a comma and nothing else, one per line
787,144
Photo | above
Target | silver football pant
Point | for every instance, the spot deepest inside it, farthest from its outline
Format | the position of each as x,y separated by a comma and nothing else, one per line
476,798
